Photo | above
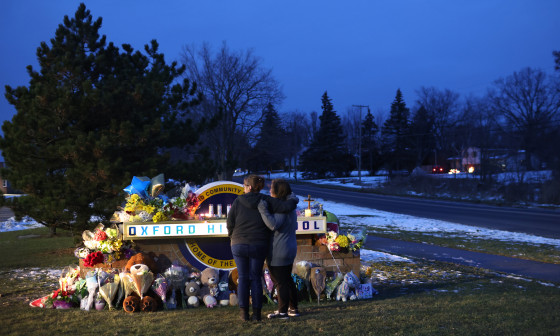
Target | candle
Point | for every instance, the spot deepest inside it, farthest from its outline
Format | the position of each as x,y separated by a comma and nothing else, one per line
308,213
219,211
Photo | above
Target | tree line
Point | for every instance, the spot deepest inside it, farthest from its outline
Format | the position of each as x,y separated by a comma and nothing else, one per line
95,115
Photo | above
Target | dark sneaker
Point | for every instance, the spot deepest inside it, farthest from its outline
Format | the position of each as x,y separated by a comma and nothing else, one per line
244,314
293,312
277,315
256,317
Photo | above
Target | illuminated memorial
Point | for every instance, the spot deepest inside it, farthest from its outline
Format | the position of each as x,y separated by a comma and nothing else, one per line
203,241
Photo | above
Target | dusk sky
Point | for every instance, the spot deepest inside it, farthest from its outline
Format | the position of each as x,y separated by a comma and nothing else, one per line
361,52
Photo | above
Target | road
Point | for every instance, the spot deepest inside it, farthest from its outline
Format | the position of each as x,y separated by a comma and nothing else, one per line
540,222
516,266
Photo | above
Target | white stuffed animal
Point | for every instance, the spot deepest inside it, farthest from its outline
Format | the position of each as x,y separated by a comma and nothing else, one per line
346,288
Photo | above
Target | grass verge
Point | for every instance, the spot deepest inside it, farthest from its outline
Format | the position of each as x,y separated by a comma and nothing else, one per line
34,248
420,298
537,252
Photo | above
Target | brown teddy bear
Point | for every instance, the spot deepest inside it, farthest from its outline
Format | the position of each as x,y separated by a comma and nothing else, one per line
209,278
192,290
141,268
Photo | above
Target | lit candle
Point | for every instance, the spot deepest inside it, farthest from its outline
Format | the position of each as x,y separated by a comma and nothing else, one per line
308,213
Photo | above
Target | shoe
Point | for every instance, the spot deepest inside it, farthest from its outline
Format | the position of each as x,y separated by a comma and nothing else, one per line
293,312
278,315
256,315
244,314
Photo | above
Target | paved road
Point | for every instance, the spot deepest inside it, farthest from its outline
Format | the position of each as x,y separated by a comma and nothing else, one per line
5,214
524,268
545,223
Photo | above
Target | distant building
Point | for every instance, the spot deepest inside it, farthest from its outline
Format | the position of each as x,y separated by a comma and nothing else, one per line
500,159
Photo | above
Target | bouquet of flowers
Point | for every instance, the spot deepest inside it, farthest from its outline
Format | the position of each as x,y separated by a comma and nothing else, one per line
176,277
108,285
102,245
160,287
65,296
69,278
127,283
145,202
142,280
344,243
357,240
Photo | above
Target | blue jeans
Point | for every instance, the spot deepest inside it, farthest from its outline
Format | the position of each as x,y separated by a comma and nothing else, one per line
250,261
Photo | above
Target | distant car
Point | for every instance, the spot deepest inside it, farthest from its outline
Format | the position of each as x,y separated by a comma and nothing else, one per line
454,171
437,170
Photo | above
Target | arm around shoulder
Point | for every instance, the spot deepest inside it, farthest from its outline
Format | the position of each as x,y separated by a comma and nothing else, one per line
278,205
268,218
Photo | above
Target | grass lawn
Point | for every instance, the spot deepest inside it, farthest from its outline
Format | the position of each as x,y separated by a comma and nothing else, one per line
420,298
536,252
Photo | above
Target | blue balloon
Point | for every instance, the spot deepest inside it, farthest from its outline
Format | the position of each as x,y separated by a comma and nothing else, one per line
138,187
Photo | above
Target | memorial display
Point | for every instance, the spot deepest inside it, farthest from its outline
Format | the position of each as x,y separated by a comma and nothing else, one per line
120,268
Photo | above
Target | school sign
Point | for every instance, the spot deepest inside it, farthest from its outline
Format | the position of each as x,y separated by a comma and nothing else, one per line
206,242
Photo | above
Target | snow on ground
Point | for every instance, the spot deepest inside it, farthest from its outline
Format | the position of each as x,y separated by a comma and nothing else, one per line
390,221
370,218
12,225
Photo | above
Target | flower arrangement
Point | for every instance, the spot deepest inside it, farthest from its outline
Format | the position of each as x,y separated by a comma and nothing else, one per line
68,294
102,245
145,203
344,243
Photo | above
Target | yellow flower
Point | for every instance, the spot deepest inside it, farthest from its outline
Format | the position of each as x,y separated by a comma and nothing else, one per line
149,209
134,198
133,203
116,245
159,217
342,241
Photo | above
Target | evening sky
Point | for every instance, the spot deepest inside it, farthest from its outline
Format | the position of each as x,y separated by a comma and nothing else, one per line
359,51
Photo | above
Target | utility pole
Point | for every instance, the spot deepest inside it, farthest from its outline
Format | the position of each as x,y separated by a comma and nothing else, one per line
360,143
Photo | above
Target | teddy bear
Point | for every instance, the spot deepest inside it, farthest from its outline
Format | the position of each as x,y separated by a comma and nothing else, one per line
209,289
141,268
192,290
346,288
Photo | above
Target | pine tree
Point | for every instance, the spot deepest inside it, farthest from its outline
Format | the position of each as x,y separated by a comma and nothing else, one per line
327,154
90,119
395,134
370,148
270,149
422,138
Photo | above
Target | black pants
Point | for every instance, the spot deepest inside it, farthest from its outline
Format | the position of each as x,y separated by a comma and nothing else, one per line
285,286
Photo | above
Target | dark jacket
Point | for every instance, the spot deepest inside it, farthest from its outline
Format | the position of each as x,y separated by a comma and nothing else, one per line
244,221
283,249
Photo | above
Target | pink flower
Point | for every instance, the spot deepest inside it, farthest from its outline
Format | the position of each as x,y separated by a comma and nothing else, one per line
100,235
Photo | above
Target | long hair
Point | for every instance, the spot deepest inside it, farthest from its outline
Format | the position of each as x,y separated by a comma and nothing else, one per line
281,188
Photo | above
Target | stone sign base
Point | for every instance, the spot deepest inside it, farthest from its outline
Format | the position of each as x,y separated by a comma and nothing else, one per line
319,254
166,251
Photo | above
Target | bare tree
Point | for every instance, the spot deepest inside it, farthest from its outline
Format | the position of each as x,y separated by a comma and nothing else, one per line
236,86
442,106
477,127
529,103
